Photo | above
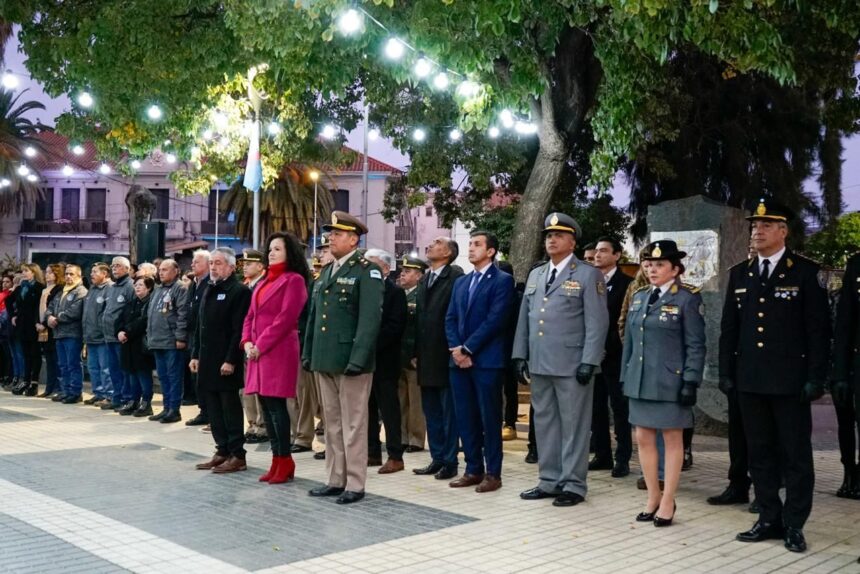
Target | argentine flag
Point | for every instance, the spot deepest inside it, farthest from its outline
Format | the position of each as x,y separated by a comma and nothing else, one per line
253,166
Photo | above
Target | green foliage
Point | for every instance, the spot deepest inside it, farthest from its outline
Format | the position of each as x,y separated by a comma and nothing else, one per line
832,246
17,133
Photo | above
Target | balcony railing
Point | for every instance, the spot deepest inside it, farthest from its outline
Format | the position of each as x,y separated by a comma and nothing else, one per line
224,227
65,226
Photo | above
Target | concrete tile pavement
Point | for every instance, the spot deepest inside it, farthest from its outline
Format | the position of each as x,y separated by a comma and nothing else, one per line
494,532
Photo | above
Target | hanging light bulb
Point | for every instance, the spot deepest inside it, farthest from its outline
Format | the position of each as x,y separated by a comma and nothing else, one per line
5,182
104,169
419,135
441,81
167,142
207,135
526,128
423,67
170,158
220,120
394,49
154,113
23,170
85,100
68,170
468,89
329,132
10,80
195,151
32,177
507,118
274,128
30,151
455,135
78,149
373,134
493,132
350,22
135,164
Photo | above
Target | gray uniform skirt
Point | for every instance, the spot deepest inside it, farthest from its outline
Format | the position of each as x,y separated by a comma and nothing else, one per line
660,414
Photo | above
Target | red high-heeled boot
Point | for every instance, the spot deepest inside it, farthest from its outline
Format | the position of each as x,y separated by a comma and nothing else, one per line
276,460
285,470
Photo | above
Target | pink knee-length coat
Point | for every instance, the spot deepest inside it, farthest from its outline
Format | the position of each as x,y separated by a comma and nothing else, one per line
272,325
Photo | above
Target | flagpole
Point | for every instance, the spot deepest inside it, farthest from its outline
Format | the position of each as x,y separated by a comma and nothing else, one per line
256,220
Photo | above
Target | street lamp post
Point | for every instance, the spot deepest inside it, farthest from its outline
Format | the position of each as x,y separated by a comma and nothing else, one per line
315,175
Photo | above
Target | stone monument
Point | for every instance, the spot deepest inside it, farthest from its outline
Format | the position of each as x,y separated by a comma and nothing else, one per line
715,237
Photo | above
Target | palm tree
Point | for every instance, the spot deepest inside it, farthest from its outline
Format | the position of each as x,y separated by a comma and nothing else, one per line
5,36
288,205
17,133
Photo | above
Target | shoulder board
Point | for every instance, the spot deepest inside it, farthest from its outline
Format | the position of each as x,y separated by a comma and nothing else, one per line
363,262
690,287
643,288
803,259
744,263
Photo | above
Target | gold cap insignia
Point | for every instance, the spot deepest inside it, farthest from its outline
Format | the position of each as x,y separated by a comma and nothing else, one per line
333,219
553,220
761,209
405,261
656,252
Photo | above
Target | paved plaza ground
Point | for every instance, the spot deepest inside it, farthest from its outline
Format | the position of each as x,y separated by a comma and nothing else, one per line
90,492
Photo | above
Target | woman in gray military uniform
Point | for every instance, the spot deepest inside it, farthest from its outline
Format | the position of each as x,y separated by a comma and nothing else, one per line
662,363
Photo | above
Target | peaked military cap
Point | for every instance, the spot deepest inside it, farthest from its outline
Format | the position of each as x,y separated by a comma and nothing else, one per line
768,209
663,249
345,222
410,262
252,255
561,222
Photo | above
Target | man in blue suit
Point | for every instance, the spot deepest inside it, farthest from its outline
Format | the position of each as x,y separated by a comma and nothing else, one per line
474,325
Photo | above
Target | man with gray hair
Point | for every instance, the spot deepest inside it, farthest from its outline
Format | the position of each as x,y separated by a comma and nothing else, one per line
384,397
118,296
147,269
196,291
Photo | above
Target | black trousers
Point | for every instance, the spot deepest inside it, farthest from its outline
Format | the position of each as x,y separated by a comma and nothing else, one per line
277,419
512,398
738,451
32,360
846,420
384,400
227,422
607,392
532,440
779,436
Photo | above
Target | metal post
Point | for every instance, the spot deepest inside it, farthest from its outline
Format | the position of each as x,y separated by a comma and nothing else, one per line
315,218
217,213
364,175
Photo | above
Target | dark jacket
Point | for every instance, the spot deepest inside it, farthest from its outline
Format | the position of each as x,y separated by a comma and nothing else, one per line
431,344
26,309
775,338
68,309
118,296
218,337
196,292
94,308
168,316
407,345
615,291
134,356
846,336
390,332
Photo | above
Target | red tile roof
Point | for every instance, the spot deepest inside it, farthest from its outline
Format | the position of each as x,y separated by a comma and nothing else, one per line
373,164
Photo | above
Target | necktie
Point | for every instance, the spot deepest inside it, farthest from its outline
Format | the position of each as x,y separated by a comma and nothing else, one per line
655,294
765,270
431,279
551,278
476,278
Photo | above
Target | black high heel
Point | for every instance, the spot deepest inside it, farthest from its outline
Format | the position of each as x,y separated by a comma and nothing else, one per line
660,522
645,516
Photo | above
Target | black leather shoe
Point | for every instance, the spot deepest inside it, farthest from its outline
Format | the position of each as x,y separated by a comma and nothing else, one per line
326,490
58,397
413,448
128,408
731,495
620,470
70,400
158,416
197,421
349,496
794,539
374,460
92,400
567,499
250,438
109,406
849,482
600,464
536,494
144,410
532,455
319,455
171,417
299,448
762,531
645,516
755,507
431,468
688,460
445,473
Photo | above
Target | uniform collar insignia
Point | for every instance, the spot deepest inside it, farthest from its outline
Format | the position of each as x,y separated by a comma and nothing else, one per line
674,289
789,262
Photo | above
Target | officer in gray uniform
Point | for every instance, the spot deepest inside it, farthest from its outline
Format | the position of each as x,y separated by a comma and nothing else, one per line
558,345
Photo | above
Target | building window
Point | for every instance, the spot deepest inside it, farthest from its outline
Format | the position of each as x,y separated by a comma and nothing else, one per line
45,205
71,206
162,203
340,198
96,204
428,211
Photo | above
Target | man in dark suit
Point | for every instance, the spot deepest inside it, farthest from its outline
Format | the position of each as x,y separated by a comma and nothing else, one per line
384,392
774,354
196,292
607,389
431,349
477,314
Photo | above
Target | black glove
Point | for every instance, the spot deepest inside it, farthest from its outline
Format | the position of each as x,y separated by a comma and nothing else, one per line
584,373
687,395
840,391
352,371
726,385
521,370
812,391
306,365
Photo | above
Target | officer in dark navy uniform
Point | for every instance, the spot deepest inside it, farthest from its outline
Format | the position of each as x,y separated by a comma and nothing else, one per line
774,353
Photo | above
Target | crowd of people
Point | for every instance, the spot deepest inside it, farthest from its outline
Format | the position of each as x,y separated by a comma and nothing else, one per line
434,356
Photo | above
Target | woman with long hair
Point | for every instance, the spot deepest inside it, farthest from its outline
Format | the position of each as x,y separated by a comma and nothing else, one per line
53,286
270,338
28,295
662,367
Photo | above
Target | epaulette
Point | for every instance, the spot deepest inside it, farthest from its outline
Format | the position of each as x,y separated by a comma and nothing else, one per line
363,262
804,259
691,288
748,262
643,288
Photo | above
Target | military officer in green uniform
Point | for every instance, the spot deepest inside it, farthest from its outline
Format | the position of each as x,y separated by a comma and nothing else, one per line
413,425
340,347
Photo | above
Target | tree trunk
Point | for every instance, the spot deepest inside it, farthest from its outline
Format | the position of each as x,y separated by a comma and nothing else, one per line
141,203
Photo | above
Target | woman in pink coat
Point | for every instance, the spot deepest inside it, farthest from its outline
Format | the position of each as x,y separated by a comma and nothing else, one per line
270,338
